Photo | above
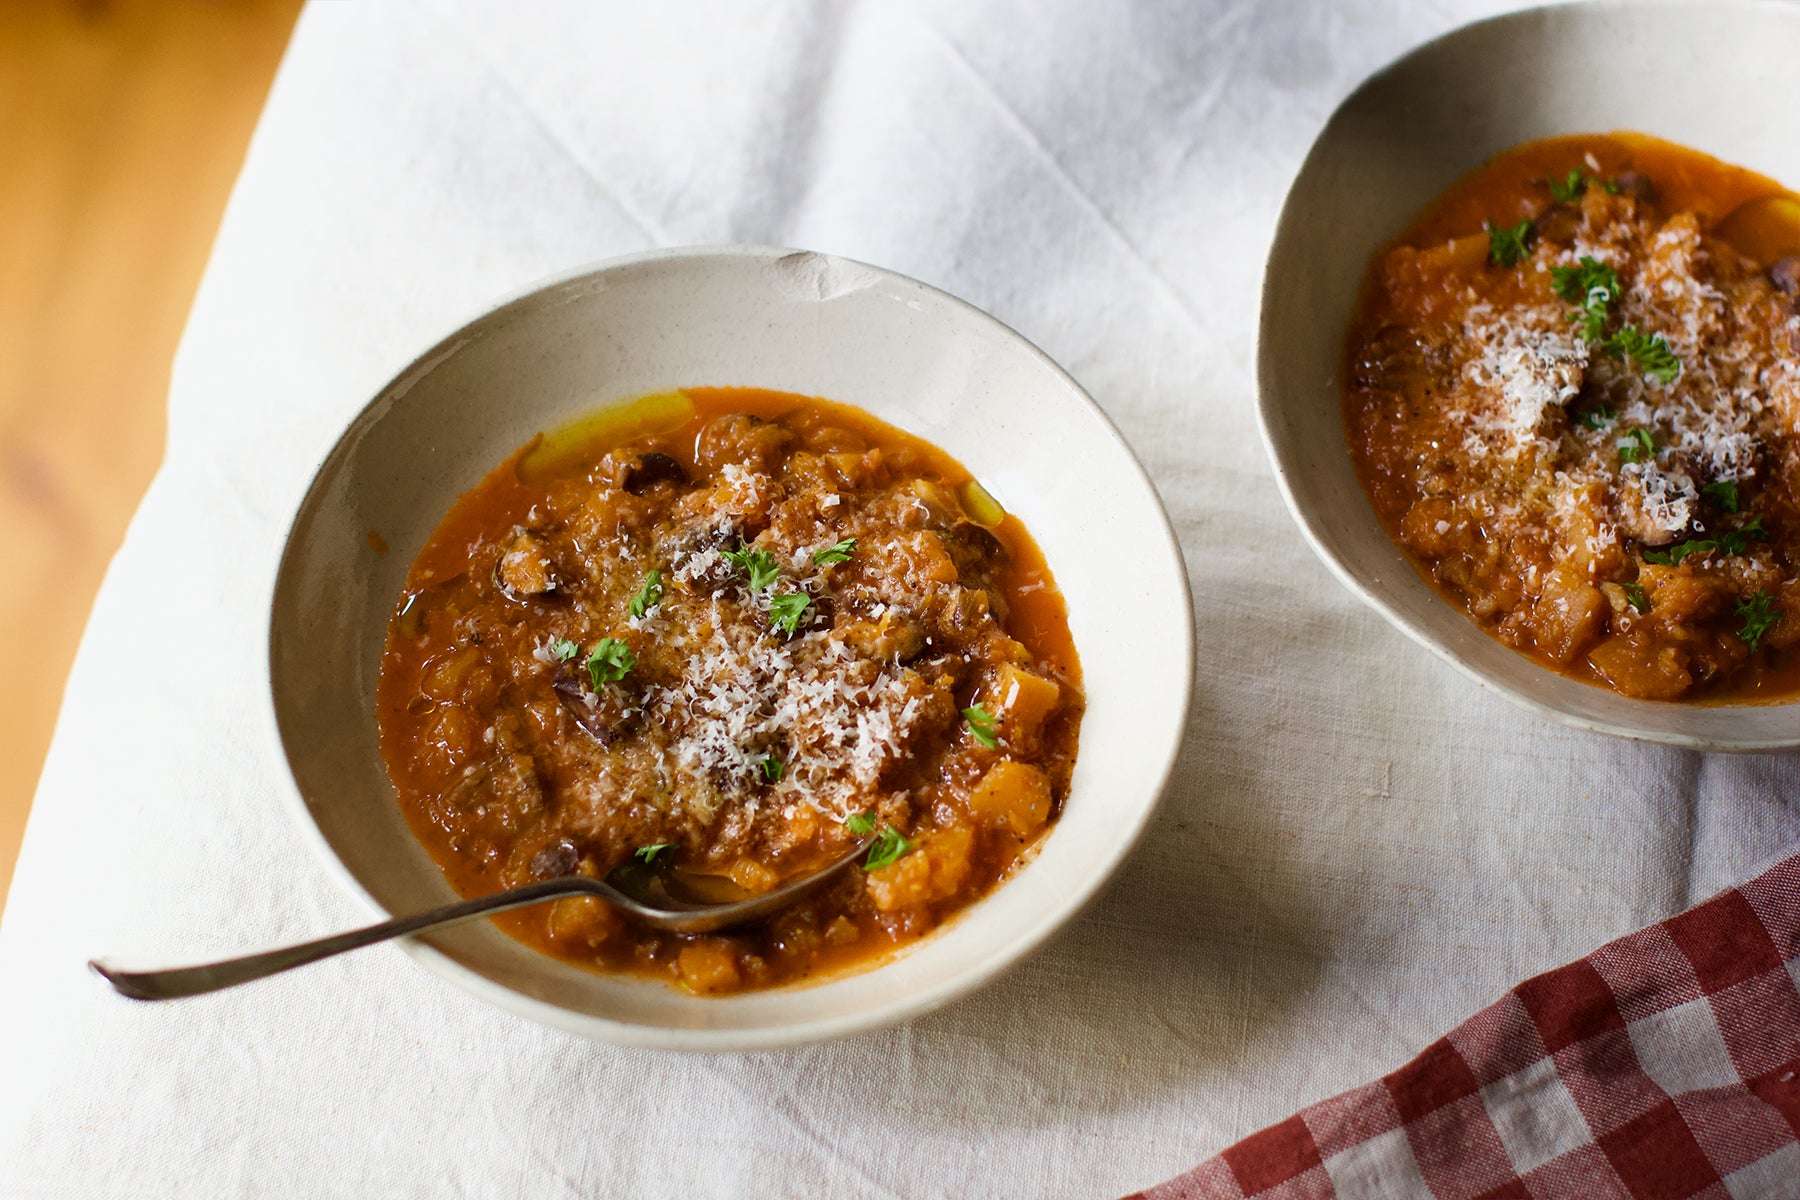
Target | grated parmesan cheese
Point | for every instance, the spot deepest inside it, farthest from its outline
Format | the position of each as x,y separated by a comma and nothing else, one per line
1520,366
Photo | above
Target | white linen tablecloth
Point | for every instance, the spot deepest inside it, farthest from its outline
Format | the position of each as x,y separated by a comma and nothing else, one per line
1359,848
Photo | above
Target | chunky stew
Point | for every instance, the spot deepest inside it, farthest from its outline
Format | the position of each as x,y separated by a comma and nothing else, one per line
1572,392
730,634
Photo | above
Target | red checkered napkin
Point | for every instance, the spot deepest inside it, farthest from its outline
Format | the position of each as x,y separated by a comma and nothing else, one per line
1662,1066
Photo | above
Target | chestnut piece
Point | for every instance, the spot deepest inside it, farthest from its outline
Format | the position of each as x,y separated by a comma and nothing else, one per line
649,469
1784,274
1637,185
556,860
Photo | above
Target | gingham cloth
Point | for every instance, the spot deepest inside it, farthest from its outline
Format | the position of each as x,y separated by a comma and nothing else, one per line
1662,1066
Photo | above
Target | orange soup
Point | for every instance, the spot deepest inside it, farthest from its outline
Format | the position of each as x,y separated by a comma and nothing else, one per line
1572,393
730,634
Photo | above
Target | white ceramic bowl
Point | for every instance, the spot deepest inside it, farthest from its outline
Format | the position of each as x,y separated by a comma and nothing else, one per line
733,316
1715,76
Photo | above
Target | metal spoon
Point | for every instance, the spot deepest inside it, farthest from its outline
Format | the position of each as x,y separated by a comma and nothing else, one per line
643,892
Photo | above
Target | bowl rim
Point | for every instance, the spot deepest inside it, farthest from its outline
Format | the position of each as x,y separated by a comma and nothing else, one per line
1052,920
1268,404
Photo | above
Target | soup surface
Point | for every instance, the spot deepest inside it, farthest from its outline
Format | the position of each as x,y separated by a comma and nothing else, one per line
729,635
1572,393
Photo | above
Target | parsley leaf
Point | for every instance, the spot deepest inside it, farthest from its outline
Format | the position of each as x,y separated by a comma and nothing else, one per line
1638,446
610,662
1610,187
562,649
1634,592
1578,283
836,554
1723,493
1509,244
773,768
1738,540
649,855
648,596
1649,351
1591,285
982,726
1595,418
787,610
861,824
1760,615
889,846
1592,319
1570,188
1672,556
759,565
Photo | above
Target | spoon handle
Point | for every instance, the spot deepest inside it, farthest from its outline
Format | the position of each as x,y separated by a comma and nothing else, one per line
176,982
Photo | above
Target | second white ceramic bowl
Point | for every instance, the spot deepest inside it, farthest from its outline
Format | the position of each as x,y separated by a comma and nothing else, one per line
748,317
1716,76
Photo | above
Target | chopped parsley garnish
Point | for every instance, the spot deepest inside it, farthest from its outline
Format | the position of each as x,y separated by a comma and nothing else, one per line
759,565
1672,556
1638,446
1508,245
982,726
836,554
610,662
773,768
562,649
1591,286
648,596
1592,317
1634,592
649,855
1595,418
1610,187
889,846
1571,187
787,610
1723,493
1577,283
1738,540
1735,542
1760,615
1649,351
